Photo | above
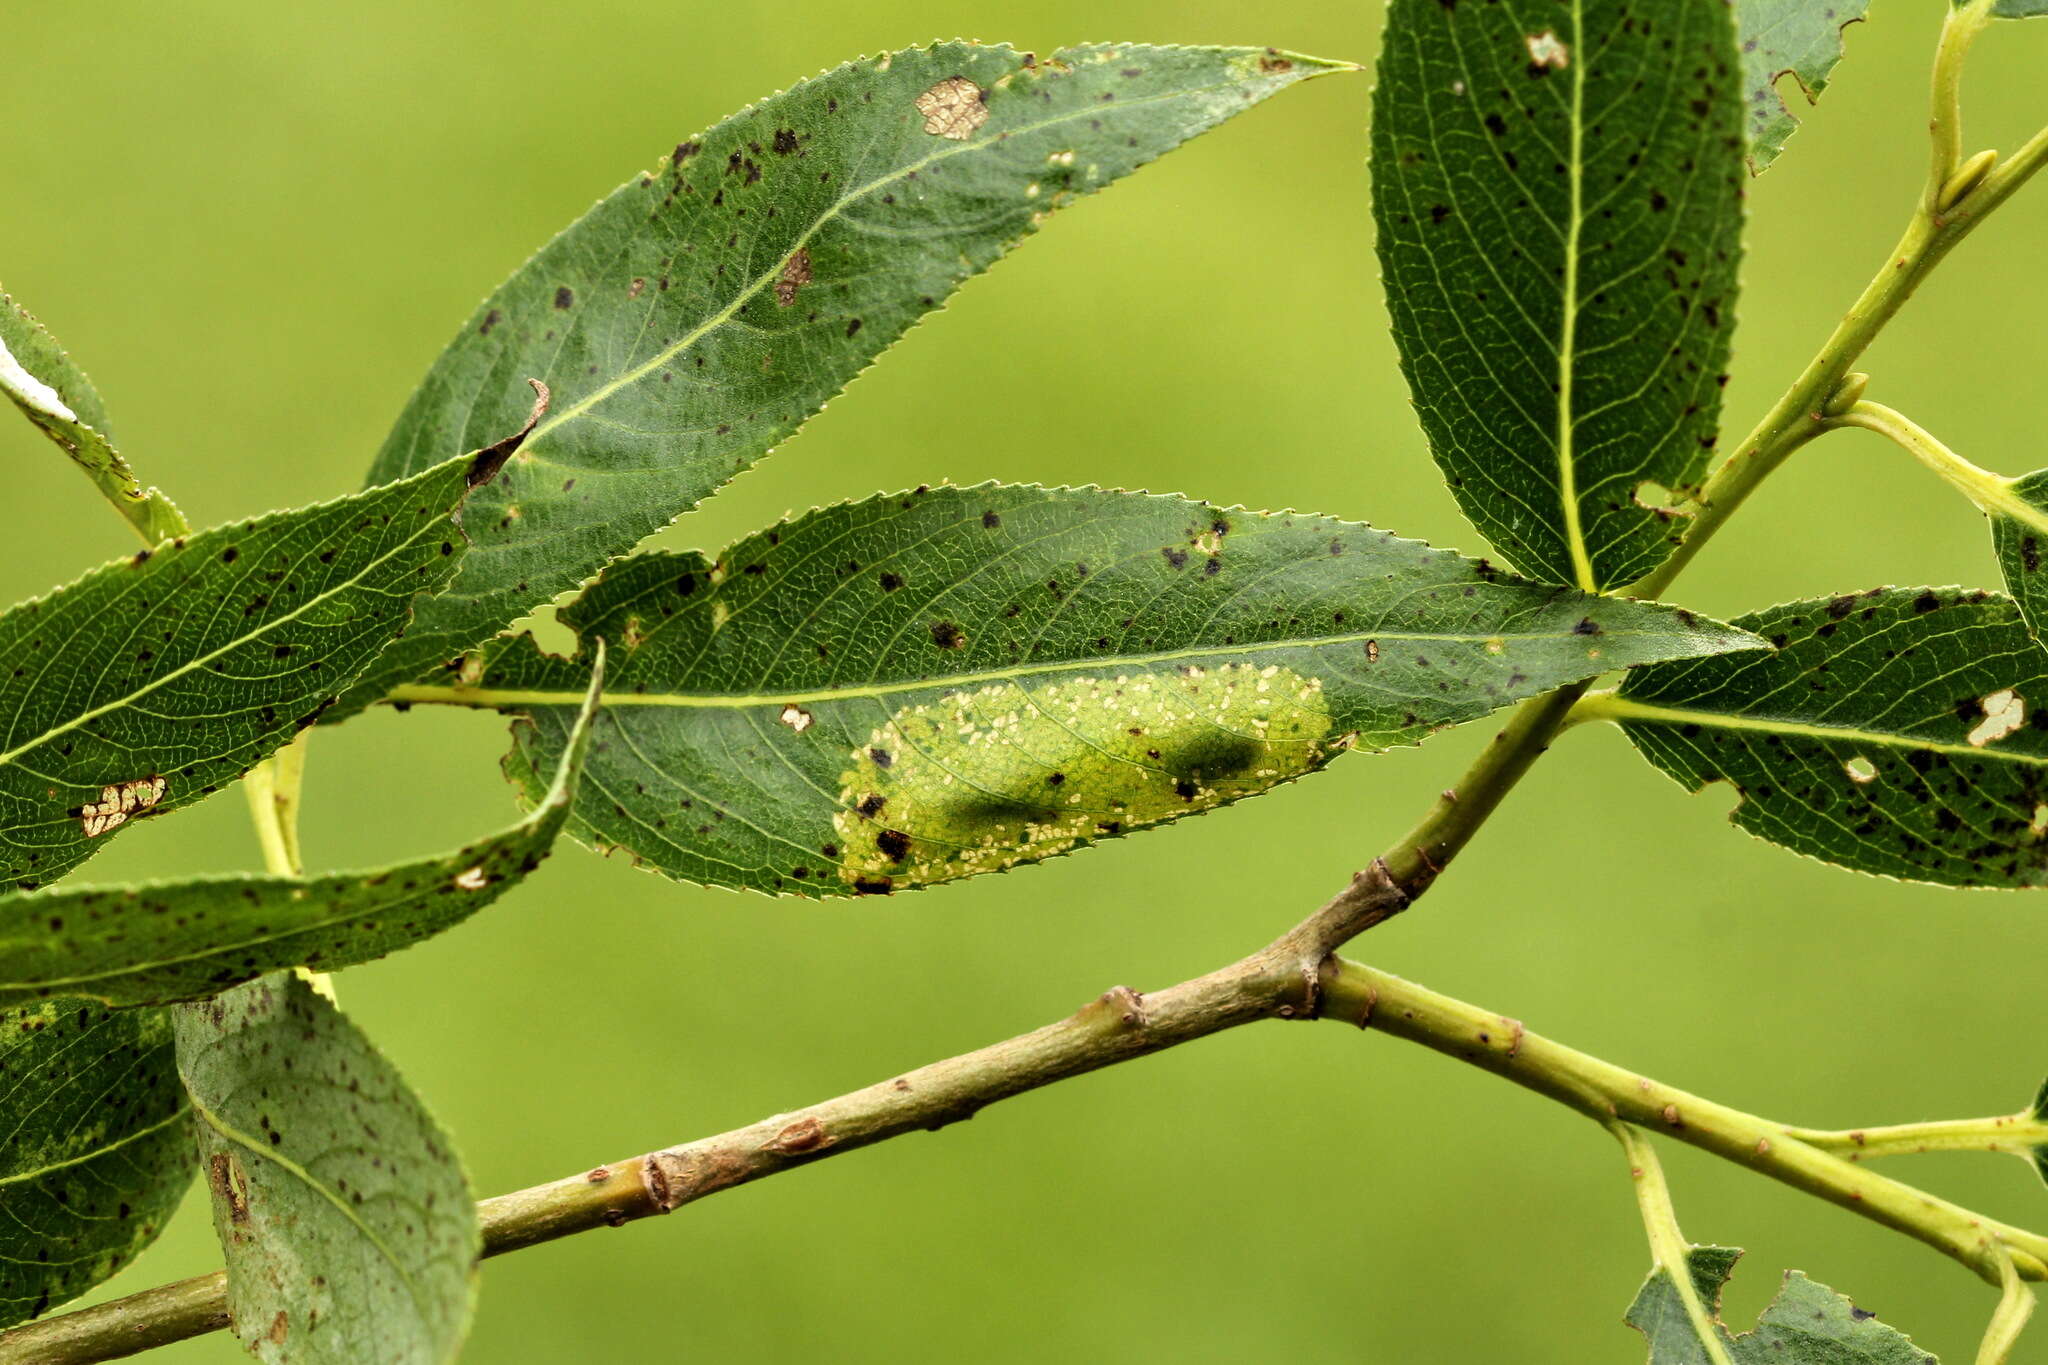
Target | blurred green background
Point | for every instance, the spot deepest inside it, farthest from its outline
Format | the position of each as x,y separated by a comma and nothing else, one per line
256,224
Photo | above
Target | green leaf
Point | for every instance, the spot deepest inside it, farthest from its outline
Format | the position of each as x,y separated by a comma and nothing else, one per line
52,392
2015,9
348,1226
2018,511
1806,1324
95,1150
154,681
155,944
704,310
1897,732
1797,38
1559,203
919,687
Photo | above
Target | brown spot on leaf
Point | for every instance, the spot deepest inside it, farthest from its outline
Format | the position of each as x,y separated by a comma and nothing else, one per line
796,273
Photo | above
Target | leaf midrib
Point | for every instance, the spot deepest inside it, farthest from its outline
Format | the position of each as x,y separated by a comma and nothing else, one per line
21,1177
267,1153
769,276
1626,710
501,697
1568,478
129,699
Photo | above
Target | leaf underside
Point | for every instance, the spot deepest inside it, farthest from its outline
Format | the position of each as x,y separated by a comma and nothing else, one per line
1797,38
344,1215
55,394
154,681
156,944
95,1150
907,690
1807,1323
1559,208
2019,9
703,311
1897,732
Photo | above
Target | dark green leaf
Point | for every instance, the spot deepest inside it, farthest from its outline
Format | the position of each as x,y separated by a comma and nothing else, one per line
148,945
1559,201
1896,731
1806,1324
919,687
54,393
154,681
704,310
2015,9
347,1223
1797,38
2018,510
95,1149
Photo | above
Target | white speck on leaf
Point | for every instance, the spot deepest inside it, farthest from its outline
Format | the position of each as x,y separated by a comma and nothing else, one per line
472,880
1860,769
118,802
26,388
796,718
1546,50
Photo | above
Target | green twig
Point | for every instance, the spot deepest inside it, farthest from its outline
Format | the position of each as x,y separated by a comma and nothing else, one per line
2015,1306
2012,1134
1669,1251
1275,983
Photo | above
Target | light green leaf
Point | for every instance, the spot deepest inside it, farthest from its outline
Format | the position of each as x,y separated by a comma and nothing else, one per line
704,310
154,944
1806,1324
154,681
52,392
1559,203
1797,38
348,1226
95,1149
2018,510
1896,731
919,687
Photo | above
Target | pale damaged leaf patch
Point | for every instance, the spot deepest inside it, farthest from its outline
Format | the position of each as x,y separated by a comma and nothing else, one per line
956,107
118,802
911,689
980,781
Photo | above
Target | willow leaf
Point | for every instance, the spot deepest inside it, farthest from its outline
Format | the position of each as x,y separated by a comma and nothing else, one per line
1806,1324
155,944
95,1151
2018,511
919,687
1559,204
2015,9
1797,38
2039,1111
154,681
704,310
1898,732
348,1226
53,393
